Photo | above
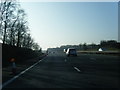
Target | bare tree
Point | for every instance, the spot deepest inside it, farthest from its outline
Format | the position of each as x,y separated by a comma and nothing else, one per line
21,27
7,8
13,25
36,46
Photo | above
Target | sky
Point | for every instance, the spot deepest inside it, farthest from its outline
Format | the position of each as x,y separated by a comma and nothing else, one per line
53,24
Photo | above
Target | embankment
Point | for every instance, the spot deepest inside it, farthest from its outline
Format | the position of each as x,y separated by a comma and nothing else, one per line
20,55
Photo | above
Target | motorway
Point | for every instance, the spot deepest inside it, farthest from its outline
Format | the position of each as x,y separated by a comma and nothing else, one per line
59,71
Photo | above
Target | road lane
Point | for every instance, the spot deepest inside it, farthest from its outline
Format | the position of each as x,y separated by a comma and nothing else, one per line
57,71
51,72
101,70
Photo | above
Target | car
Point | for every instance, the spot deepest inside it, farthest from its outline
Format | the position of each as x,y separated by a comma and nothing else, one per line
65,50
71,52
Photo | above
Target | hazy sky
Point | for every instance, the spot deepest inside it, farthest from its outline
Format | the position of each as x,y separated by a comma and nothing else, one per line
54,24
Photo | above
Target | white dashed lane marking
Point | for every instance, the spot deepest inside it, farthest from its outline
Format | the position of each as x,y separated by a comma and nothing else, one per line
65,60
77,69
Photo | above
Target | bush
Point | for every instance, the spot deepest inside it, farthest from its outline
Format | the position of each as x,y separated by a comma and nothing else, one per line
20,54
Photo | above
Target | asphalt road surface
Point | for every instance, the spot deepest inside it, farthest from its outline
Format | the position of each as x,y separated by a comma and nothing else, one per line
59,71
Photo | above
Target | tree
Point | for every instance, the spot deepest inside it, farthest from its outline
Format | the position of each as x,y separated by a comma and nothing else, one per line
84,46
7,8
13,25
36,47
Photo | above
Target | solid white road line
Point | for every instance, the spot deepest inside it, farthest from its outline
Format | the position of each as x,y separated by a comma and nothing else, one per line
12,79
77,69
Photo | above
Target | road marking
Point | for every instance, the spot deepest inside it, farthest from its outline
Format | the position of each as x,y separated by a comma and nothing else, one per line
77,69
15,77
65,60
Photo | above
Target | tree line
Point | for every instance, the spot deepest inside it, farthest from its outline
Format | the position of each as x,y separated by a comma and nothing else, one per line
14,28
104,44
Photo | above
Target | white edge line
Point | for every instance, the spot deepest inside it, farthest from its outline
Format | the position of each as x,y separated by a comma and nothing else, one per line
77,69
12,79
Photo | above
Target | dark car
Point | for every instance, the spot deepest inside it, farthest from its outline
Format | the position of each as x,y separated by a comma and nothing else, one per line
71,52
